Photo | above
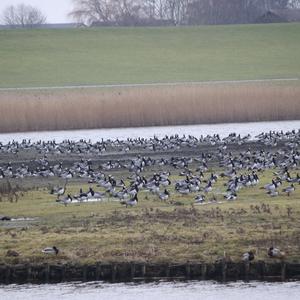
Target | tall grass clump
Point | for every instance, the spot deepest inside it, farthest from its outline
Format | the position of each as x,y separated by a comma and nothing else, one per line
147,106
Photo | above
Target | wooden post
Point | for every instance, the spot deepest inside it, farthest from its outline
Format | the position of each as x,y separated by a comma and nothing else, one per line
7,275
84,273
28,273
114,273
263,270
283,271
188,270
63,272
224,270
143,270
168,271
132,271
247,269
203,271
47,273
98,271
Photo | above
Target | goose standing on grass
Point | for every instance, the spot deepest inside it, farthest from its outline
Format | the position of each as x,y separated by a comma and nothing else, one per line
289,189
275,253
51,250
249,256
59,191
200,199
208,188
231,196
271,186
164,195
132,202
65,200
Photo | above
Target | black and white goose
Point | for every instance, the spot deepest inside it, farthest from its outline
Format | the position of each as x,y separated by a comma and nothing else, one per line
51,250
164,195
132,202
66,200
59,191
275,253
290,189
200,199
249,256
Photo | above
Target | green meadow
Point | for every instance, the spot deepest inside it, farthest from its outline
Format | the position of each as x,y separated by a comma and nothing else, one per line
142,55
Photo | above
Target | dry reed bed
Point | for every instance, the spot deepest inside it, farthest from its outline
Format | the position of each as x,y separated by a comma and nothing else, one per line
147,106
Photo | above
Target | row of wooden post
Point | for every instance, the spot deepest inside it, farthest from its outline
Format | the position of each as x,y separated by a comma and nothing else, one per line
98,274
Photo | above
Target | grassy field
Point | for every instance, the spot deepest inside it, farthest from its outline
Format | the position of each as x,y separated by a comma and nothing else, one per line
141,55
153,231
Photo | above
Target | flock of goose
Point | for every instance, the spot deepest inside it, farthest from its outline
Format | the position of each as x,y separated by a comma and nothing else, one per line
181,165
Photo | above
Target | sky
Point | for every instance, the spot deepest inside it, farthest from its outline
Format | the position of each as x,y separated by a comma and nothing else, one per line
55,10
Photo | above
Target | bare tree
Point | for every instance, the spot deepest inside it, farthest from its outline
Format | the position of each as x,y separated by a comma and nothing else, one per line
176,12
23,15
294,3
89,11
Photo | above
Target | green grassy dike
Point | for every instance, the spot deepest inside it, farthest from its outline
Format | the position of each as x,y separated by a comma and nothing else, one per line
141,55
176,231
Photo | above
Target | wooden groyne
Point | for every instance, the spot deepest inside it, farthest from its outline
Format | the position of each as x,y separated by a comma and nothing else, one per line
124,272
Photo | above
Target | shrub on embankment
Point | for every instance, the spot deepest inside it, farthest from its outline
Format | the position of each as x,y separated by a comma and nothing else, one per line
147,106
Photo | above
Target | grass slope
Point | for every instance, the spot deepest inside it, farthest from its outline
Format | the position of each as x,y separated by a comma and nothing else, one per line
153,231
140,55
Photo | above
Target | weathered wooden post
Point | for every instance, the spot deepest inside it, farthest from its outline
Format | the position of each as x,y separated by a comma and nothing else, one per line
263,270
283,271
132,271
7,275
203,271
47,273
63,273
28,273
98,271
168,271
188,270
84,273
224,270
114,272
247,270
143,270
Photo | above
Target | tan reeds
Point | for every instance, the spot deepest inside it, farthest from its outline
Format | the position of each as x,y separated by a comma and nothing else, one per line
147,106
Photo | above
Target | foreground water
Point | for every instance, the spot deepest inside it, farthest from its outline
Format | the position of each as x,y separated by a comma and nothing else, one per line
253,128
162,290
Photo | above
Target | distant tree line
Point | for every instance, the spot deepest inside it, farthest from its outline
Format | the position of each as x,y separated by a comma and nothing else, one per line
22,15
151,12
174,12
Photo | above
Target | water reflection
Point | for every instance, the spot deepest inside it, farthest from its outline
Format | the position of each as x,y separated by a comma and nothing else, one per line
94,135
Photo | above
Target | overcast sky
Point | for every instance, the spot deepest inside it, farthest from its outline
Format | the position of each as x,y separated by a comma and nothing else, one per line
55,10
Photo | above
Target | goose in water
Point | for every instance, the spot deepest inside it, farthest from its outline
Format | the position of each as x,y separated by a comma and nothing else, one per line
51,250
